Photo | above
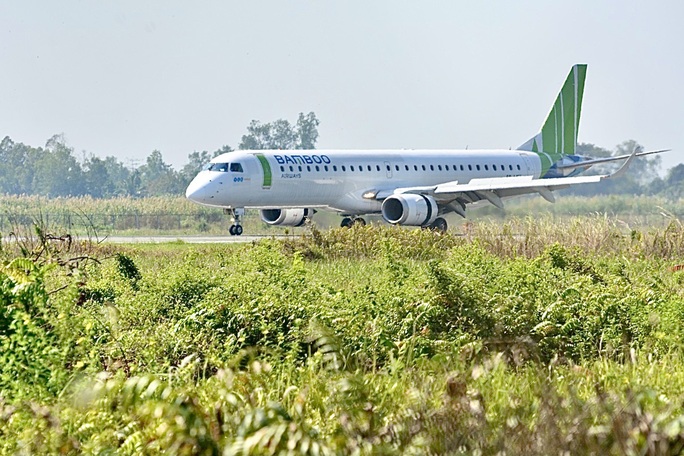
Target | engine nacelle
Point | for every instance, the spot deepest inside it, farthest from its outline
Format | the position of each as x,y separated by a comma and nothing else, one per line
409,209
285,217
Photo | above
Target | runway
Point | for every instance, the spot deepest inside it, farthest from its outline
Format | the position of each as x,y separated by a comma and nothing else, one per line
189,239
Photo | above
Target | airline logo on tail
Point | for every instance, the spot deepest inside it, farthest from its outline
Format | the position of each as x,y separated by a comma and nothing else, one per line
558,136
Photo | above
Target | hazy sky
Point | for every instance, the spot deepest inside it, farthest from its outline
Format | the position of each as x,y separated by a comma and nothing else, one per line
124,78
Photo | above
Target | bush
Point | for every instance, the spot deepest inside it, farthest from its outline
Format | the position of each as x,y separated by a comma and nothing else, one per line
367,340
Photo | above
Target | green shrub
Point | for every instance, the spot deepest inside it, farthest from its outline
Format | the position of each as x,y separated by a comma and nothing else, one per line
365,341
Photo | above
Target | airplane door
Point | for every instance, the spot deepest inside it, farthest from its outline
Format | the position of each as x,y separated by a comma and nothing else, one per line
388,169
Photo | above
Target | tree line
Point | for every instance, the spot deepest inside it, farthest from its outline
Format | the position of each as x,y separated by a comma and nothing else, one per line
55,171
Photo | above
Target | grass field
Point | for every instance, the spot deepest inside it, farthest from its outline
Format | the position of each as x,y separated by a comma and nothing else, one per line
525,336
86,216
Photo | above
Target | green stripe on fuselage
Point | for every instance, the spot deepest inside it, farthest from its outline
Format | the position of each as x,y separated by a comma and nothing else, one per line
266,167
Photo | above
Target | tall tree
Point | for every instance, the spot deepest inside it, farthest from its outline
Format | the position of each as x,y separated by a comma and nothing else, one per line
97,181
196,161
158,177
58,173
307,131
672,186
280,134
17,167
644,169
119,174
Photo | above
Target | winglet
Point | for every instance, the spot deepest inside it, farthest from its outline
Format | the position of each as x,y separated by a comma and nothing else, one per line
623,169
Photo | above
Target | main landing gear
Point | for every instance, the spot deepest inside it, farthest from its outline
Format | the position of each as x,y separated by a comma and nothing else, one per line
235,215
348,222
438,225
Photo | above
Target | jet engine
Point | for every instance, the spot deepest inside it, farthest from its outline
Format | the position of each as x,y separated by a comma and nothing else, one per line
285,217
409,209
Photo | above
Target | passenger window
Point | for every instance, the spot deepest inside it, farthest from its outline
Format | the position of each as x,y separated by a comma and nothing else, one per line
518,167
406,166
282,169
291,169
462,169
308,168
388,168
510,167
486,168
439,167
477,167
325,168
344,168
361,168
396,167
318,168
415,167
351,168
423,167
300,168
432,167
335,168
378,167
446,167
470,167
494,167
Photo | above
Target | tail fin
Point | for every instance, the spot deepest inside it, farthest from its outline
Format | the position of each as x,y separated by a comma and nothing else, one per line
558,136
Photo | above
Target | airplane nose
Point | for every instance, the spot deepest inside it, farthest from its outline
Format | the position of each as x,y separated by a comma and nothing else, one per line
198,191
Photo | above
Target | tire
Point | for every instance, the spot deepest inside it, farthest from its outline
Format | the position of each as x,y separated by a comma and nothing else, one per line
439,225
232,230
346,222
238,230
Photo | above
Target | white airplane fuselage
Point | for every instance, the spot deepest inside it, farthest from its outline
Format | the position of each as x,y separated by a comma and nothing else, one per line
345,181
407,187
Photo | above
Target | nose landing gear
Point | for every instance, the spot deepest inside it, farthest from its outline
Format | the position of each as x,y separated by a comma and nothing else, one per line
235,215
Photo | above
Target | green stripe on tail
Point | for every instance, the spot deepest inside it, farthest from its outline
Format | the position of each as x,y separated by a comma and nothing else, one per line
558,136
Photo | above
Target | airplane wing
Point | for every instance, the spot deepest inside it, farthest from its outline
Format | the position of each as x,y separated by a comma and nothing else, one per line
495,189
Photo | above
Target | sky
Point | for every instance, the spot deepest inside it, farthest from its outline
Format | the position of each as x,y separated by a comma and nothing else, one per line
124,78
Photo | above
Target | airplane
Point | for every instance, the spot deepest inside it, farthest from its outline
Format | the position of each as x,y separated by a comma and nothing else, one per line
406,187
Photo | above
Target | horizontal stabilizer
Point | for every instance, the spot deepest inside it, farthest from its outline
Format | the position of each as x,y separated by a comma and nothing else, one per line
597,161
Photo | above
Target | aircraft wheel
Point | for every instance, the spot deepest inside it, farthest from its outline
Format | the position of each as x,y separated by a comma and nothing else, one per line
238,230
346,222
359,221
439,225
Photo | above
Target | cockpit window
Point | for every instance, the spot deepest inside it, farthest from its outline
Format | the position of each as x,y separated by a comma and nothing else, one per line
222,167
236,167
